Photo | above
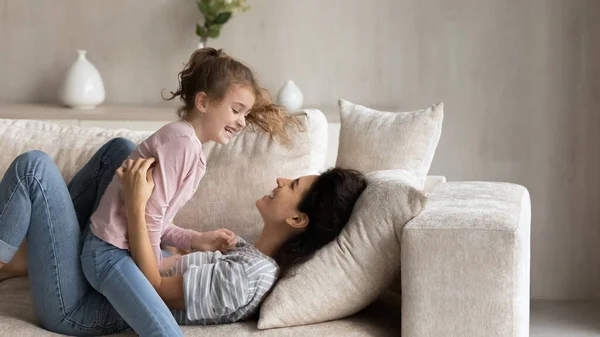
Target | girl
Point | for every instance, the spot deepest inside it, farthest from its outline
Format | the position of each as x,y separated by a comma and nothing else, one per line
219,94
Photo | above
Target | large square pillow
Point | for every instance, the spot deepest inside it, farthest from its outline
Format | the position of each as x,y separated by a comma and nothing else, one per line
372,140
354,269
237,174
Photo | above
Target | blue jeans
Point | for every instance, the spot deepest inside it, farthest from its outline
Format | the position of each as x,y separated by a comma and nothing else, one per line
113,273
35,203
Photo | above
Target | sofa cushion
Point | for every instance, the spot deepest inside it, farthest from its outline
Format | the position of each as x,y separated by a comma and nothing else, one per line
237,174
351,271
381,319
372,140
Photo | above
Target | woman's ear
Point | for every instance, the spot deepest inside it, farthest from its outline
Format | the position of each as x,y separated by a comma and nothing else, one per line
298,221
201,101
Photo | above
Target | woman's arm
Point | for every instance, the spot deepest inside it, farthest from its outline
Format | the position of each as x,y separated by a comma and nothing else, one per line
170,289
137,186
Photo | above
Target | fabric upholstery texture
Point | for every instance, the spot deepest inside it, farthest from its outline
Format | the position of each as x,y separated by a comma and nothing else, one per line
431,182
380,319
465,262
372,140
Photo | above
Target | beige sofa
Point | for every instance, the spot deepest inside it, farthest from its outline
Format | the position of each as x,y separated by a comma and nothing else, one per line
465,258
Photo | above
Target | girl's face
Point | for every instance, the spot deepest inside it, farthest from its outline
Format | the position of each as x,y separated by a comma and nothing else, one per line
281,206
222,121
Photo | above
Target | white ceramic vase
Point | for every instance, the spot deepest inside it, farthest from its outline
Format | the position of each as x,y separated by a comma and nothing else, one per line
83,87
290,96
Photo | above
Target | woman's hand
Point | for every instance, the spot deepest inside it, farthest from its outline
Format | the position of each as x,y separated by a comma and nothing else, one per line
168,262
136,177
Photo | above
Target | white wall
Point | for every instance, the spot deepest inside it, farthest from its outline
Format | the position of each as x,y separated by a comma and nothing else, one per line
333,143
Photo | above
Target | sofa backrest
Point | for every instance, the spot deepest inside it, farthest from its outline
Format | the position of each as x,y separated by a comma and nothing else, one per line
237,174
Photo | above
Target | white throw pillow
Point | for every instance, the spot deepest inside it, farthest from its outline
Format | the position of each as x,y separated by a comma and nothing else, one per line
351,271
372,140
237,174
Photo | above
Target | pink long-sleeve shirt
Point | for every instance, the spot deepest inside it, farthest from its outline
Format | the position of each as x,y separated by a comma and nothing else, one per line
180,166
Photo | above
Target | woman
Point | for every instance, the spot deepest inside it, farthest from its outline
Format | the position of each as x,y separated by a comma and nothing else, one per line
300,217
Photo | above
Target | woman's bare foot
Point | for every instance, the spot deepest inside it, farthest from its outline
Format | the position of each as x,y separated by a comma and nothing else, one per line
17,266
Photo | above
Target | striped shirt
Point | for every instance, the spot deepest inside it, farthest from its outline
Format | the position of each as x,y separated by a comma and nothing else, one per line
223,288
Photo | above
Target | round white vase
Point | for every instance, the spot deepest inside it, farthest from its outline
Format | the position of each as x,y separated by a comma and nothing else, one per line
290,96
83,87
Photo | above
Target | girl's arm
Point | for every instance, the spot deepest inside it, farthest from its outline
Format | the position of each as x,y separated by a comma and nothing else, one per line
137,186
177,158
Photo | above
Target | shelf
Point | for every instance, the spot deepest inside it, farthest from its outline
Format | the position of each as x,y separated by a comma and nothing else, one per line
108,113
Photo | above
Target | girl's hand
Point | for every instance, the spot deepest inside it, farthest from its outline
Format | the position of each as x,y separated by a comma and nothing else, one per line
222,239
136,177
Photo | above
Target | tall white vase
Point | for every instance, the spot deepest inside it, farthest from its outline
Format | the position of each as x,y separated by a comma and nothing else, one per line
83,87
290,96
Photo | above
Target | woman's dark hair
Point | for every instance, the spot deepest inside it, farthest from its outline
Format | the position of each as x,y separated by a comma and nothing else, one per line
328,205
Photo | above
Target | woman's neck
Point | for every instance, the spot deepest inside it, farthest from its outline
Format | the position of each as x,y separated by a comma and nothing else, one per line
270,240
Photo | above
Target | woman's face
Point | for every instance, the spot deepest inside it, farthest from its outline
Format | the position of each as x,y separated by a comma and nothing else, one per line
281,206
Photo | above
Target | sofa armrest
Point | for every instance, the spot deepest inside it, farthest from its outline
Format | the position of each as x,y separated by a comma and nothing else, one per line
465,262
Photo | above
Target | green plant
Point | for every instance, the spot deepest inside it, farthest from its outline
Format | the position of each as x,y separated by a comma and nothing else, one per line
216,14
